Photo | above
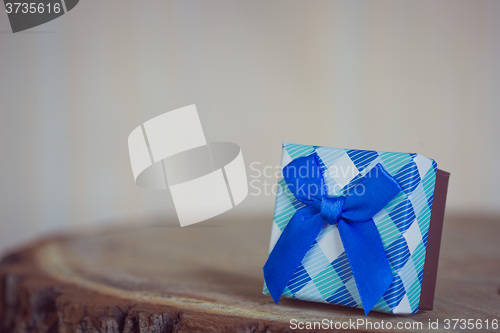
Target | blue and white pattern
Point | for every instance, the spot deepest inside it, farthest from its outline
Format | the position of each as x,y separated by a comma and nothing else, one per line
325,274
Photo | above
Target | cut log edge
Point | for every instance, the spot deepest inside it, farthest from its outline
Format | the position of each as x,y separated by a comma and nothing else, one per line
37,299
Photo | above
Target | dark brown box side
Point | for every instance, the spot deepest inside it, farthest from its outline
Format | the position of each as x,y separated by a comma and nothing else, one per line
434,241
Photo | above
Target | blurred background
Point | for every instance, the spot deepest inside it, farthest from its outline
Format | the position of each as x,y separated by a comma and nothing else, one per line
404,76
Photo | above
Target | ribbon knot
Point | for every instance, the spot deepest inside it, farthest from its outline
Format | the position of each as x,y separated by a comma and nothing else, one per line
353,215
331,208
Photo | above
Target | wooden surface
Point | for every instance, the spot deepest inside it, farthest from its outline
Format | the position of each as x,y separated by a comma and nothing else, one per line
208,277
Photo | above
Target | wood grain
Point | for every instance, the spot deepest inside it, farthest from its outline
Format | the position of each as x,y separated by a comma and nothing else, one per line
208,277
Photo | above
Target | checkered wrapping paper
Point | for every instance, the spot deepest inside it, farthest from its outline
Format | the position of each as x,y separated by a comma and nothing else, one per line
324,274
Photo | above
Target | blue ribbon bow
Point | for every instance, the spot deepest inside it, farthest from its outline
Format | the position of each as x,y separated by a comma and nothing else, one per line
353,215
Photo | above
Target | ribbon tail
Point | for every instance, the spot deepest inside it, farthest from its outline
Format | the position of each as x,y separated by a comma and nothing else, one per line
368,260
292,246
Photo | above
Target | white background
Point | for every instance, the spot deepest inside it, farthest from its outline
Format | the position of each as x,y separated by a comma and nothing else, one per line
387,75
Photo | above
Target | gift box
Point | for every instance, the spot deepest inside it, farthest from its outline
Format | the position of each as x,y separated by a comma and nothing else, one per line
356,228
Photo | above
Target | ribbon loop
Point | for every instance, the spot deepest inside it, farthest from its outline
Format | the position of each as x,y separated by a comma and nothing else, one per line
353,213
304,179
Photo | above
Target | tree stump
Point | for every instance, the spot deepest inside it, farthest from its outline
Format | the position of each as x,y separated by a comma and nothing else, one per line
208,278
